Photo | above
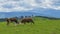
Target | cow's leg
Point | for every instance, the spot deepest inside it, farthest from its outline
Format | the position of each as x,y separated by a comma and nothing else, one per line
16,22
32,22
7,22
23,22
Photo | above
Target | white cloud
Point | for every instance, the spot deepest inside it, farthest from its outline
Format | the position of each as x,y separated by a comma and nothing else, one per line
4,6
26,5
50,4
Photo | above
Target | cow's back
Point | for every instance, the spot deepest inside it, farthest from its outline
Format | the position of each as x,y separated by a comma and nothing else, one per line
27,20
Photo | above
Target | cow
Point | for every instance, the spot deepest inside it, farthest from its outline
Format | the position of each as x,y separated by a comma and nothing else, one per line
10,20
27,20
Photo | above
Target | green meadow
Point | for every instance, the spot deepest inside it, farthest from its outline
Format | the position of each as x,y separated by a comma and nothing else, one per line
41,26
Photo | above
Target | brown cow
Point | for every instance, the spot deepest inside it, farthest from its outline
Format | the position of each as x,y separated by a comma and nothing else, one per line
9,20
27,20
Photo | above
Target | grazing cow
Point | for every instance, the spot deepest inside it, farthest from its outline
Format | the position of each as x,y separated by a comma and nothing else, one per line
27,20
9,20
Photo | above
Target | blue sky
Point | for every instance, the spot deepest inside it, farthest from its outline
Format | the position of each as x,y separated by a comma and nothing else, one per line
47,7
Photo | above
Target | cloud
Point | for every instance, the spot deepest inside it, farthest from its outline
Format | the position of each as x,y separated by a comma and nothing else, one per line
26,5
52,4
13,6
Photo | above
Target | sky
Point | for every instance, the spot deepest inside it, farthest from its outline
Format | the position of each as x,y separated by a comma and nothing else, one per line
51,7
26,5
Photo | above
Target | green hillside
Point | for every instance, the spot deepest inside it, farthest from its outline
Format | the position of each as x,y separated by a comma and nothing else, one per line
41,26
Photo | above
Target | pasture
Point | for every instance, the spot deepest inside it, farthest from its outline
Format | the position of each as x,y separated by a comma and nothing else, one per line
41,26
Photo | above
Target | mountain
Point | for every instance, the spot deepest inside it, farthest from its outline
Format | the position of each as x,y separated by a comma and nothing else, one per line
13,14
35,12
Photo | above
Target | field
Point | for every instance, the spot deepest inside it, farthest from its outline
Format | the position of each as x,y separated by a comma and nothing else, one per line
41,26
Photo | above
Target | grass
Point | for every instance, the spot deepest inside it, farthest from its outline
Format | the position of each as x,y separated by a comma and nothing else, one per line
41,26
